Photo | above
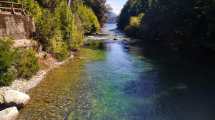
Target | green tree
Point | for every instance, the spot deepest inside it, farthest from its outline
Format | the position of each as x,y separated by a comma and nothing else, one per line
70,25
88,19
61,24
100,9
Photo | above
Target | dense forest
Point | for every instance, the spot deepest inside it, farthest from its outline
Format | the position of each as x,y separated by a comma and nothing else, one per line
175,24
60,28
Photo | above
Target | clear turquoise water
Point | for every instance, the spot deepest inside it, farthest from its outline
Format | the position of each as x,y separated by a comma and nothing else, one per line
124,85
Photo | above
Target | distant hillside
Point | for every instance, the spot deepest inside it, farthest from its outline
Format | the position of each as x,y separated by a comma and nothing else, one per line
112,17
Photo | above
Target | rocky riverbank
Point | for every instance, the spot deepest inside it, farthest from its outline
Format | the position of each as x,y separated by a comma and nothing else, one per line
15,96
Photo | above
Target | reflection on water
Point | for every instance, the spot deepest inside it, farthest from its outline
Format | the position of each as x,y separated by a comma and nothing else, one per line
124,85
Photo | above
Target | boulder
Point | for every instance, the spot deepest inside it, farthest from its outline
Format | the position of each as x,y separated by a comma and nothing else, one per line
16,97
9,114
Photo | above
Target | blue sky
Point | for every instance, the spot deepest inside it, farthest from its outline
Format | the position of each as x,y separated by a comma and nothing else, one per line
117,5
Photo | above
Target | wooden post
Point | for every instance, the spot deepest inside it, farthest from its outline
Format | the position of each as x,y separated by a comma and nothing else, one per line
23,9
12,8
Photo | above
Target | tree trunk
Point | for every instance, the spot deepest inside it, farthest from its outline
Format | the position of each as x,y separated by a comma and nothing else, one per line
69,2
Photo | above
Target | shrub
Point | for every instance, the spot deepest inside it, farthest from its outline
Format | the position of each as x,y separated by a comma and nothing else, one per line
26,63
58,47
7,55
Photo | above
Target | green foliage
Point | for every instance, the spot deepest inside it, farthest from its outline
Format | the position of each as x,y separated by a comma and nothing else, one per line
7,55
88,19
58,47
134,24
76,33
59,29
58,25
100,9
180,24
26,63
15,62
53,17
70,26
50,4
60,20
32,8
45,28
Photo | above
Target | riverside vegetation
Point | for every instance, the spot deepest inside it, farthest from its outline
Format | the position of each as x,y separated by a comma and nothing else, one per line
121,81
176,24
16,62
60,28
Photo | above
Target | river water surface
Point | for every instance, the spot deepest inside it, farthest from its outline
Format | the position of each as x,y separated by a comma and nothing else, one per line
122,84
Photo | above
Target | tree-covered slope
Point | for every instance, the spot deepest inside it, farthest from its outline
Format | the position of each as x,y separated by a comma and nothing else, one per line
175,23
59,26
100,8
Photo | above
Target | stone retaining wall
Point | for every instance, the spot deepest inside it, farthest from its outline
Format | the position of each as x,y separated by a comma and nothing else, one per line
16,26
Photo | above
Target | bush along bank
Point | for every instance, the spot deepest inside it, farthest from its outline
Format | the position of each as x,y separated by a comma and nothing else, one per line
14,63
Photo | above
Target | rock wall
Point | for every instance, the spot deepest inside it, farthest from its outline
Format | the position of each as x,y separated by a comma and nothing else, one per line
16,26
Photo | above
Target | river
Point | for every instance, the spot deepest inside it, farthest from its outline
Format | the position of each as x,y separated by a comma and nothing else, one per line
122,84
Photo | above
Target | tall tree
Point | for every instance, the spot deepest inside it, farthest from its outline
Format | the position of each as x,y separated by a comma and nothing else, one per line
100,8
69,2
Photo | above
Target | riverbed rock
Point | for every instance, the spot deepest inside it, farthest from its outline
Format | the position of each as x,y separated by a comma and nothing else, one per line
1,97
16,97
9,114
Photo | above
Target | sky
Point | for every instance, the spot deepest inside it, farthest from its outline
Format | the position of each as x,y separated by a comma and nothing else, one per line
117,5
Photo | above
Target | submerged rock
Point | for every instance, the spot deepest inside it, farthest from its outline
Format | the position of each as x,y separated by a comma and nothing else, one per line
9,114
16,97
